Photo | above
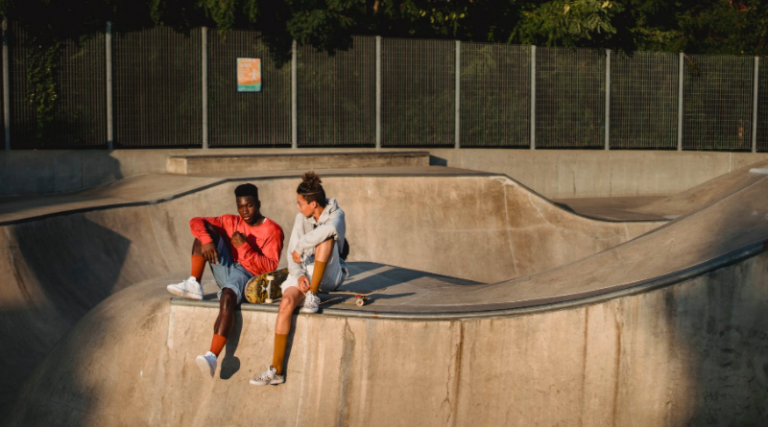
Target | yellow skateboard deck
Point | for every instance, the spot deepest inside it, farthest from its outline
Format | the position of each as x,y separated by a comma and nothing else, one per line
256,288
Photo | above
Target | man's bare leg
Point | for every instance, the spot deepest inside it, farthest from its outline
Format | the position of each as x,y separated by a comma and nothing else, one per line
292,298
198,259
226,319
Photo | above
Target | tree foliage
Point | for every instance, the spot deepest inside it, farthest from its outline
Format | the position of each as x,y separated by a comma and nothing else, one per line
696,26
738,27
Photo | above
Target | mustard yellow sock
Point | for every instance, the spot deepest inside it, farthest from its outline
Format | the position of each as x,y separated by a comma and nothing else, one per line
279,354
317,276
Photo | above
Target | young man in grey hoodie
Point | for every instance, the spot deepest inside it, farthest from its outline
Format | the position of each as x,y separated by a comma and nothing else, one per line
315,264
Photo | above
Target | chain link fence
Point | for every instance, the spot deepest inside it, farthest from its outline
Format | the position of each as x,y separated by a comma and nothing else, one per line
418,92
338,94
644,91
762,106
246,119
69,114
570,98
495,95
157,88
379,92
717,112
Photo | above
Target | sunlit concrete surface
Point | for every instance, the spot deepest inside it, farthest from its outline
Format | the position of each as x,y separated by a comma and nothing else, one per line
501,307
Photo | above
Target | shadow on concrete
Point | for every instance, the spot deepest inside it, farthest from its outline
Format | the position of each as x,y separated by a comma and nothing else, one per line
34,173
289,344
75,264
714,329
231,364
720,322
437,161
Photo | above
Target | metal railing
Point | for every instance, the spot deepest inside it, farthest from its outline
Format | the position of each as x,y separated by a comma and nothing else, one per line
158,88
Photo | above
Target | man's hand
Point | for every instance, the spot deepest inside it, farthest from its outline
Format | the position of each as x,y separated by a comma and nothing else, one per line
238,239
296,257
303,283
210,254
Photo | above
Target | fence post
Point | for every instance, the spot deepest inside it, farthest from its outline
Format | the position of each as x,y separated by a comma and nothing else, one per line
204,60
607,99
110,118
6,88
681,72
457,113
533,97
754,104
294,95
378,92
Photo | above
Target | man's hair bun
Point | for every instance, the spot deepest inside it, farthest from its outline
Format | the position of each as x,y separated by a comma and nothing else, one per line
311,189
311,182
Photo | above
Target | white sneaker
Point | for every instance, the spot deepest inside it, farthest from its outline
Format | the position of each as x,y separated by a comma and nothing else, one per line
268,378
311,303
187,289
207,363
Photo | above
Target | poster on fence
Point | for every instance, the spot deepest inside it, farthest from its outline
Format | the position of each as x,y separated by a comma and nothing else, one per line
249,74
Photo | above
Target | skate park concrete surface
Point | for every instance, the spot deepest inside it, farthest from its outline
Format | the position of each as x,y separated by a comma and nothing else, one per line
501,307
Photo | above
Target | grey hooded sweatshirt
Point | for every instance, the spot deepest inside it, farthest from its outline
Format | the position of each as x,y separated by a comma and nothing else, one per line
308,233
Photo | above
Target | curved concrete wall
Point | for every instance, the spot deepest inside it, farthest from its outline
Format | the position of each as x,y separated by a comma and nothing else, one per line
476,227
554,173
690,354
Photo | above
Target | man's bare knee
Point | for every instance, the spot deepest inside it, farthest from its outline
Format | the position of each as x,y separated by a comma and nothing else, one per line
228,301
197,247
287,305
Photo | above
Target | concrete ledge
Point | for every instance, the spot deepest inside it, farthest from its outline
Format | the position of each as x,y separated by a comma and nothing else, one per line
217,164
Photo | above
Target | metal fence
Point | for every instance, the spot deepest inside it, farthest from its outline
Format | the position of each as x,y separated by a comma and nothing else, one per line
762,107
336,93
495,99
77,117
418,92
240,120
643,105
718,102
570,98
157,88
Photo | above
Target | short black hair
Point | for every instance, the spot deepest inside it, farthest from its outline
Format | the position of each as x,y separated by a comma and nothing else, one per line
245,190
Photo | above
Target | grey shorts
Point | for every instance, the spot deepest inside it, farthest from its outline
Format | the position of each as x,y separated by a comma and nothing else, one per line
230,274
334,275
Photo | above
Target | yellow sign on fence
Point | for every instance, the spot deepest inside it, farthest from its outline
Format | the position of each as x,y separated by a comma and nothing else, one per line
249,74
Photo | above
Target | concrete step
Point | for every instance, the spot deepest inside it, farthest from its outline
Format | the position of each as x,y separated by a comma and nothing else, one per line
217,164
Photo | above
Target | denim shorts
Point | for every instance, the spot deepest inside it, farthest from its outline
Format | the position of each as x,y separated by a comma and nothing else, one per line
229,274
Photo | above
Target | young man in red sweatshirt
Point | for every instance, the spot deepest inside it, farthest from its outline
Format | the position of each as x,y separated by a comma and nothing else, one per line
237,247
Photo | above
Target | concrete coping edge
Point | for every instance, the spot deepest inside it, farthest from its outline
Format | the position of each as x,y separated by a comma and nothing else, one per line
356,153
560,302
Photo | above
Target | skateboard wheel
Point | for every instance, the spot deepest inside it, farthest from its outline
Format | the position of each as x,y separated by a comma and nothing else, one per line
360,302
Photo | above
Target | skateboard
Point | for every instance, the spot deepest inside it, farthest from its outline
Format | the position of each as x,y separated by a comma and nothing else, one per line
264,289
361,298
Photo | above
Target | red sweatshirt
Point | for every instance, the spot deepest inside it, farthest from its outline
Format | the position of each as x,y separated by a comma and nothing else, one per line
265,242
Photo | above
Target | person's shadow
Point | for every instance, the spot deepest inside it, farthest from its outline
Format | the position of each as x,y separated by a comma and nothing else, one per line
231,364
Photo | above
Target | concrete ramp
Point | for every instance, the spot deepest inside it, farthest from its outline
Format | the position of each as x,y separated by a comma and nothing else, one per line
62,256
667,328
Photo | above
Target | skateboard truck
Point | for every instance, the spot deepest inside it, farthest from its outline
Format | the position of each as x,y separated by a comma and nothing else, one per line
361,298
268,289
